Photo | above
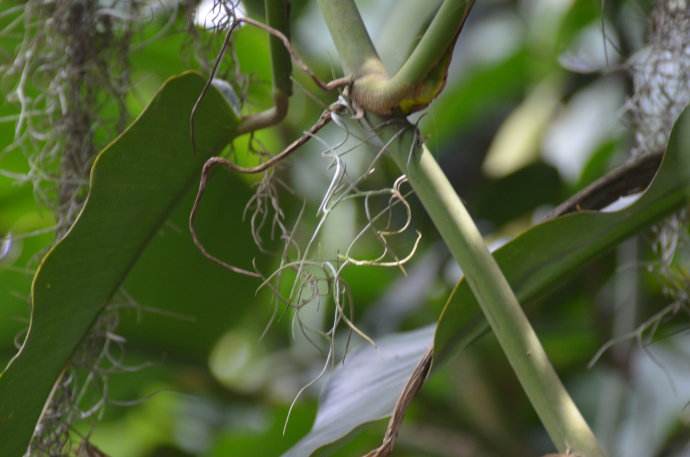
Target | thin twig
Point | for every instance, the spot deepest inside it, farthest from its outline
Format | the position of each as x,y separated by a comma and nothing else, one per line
411,388
207,85
327,86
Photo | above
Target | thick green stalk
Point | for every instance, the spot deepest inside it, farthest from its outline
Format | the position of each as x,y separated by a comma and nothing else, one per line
517,338
403,30
277,16
373,89
384,94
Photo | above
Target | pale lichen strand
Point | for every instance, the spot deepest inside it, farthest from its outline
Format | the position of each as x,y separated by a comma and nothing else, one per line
661,78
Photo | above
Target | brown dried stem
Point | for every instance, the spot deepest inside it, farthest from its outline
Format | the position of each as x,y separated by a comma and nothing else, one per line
274,115
411,388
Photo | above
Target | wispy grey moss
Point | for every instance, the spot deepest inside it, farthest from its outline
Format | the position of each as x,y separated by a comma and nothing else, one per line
661,77
69,78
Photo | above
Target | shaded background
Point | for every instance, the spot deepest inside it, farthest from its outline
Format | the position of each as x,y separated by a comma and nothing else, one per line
533,111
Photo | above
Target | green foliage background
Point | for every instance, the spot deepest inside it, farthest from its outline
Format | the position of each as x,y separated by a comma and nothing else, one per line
212,386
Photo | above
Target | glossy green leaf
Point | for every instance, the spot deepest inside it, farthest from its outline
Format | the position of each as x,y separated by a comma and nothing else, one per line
544,256
135,183
186,303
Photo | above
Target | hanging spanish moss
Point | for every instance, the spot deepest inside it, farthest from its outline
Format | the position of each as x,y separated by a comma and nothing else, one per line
72,73
71,68
661,77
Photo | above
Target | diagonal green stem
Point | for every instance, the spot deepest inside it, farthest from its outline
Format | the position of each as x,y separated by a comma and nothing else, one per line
441,35
277,16
383,94
517,338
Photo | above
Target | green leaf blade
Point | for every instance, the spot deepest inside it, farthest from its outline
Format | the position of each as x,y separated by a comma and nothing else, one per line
536,261
135,183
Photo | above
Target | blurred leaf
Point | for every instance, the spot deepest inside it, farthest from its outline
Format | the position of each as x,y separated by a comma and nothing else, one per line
364,388
536,184
598,163
518,141
481,92
575,20
239,362
135,182
146,426
270,440
540,259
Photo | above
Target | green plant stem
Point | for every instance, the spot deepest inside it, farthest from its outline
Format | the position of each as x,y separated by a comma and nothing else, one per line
557,411
350,36
373,88
404,28
382,93
438,38
277,16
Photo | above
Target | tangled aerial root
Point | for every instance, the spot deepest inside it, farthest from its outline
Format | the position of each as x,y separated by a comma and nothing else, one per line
312,280
272,162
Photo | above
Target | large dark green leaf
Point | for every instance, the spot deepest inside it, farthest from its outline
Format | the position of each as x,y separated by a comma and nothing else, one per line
135,182
190,301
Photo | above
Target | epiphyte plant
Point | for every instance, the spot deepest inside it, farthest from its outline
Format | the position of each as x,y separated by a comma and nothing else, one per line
367,105
385,101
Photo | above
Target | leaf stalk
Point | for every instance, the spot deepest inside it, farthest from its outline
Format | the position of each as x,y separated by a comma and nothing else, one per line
556,409
373,89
